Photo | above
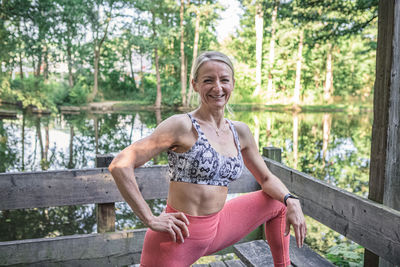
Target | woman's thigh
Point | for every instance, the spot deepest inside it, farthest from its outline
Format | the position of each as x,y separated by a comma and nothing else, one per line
159,250
243,214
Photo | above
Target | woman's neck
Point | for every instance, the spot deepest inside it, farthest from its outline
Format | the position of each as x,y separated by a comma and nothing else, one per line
215,117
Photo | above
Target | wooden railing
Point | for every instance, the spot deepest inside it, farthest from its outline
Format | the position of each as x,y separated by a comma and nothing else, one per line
372,225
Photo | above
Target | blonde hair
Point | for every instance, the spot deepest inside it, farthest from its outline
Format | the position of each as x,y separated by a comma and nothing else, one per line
210,56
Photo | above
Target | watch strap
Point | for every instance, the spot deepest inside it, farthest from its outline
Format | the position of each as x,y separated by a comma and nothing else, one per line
288,196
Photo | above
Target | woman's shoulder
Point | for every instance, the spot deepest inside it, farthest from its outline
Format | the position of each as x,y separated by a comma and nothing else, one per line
243,130
176,123
241,127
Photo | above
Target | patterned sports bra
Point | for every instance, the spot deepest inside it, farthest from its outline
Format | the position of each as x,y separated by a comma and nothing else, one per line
201,164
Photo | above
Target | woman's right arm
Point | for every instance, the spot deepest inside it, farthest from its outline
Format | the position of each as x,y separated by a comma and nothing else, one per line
122,168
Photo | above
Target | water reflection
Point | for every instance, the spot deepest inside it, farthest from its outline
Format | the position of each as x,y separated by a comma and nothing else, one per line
333,147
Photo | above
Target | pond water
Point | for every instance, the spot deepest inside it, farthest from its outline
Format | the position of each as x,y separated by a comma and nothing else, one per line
331,146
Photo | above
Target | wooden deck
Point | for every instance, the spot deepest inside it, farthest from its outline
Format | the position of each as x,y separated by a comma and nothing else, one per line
372,225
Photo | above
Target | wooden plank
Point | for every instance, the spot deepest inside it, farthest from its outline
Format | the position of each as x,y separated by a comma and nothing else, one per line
372,225
110,249
217,264
306,257
234,263
257,253
76,187
254,254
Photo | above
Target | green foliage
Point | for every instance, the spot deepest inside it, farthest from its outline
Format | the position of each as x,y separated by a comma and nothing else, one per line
78,94
346,255
350,37
118,86
33,91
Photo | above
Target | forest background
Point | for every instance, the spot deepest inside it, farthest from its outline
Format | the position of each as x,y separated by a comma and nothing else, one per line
301,54
286,53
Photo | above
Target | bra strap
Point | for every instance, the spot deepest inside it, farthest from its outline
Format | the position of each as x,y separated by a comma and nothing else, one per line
235,134
195,124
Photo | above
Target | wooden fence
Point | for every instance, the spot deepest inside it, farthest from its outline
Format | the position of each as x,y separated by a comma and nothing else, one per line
371,225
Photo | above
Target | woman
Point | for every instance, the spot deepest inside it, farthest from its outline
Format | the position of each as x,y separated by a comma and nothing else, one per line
205,153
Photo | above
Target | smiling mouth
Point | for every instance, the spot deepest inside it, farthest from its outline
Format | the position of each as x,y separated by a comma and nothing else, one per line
216,96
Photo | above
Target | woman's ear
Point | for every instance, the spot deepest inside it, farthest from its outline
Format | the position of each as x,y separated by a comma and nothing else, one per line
194,85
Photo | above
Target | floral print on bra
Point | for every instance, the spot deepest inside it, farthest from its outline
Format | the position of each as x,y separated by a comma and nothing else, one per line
201,164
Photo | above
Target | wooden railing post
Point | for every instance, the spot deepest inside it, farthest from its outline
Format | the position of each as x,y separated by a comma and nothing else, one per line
105,212
274,153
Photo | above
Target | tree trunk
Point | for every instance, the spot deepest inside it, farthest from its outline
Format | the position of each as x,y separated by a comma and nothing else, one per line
141,88
96,74
195,45
21,73
270,89
45,162
131,63
39,135
183,67
297,85
39,64
159,96
327,121
23,142
329,76
97,53
71,148
69,59
46,63
96,134
259,24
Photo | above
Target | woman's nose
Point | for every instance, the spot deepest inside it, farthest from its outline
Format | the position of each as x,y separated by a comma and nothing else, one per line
218,85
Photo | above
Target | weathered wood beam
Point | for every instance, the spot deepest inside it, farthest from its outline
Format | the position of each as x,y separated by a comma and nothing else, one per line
391,196
106,249
109,249
366,222
88,186
384,182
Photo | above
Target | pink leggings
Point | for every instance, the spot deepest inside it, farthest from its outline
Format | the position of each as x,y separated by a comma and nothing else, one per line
211,233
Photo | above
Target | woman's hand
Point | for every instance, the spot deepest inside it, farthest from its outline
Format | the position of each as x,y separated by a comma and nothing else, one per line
175,224
295,217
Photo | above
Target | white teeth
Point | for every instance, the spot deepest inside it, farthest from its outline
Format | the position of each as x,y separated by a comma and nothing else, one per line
217,96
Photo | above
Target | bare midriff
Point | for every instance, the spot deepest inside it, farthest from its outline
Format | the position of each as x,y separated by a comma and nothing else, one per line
196,199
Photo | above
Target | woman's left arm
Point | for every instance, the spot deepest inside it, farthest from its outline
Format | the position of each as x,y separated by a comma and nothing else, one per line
271,184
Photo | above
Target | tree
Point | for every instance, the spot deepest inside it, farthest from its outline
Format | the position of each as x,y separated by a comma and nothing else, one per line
99,24
201,11
259,25
271,58
71,14
182,50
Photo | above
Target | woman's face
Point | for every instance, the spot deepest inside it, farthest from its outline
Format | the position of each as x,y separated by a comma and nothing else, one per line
214,83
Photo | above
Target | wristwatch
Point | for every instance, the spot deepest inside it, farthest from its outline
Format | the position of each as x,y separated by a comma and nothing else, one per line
288,196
